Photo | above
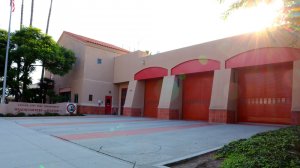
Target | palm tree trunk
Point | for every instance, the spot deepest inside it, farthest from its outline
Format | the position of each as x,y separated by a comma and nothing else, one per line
31,17
18,93
43,96
49,15
17,96
21,21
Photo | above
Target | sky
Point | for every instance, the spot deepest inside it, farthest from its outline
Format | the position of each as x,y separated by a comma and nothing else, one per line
153,25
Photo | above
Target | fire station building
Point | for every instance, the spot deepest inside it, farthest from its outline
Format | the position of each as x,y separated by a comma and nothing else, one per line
252,77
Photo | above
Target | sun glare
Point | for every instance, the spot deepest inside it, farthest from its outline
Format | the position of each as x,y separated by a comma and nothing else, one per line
258,17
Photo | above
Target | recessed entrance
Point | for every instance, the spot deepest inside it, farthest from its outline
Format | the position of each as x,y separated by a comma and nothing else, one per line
265,93
196,95
152,95
123,98
108,106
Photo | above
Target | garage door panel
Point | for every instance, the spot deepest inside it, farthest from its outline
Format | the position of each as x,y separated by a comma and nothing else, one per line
152,95
196,96
267,91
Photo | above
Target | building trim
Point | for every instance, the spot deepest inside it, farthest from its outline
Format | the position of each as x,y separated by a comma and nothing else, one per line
263,56
150,73
194,66
63,90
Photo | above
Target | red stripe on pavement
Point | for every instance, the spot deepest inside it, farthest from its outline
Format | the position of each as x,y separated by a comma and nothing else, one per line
128,132
79,123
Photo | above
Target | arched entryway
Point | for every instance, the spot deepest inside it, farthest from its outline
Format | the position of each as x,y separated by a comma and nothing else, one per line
264,78
197,79
153,77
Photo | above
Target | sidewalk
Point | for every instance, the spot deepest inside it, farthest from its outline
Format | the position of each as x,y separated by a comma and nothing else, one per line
21,147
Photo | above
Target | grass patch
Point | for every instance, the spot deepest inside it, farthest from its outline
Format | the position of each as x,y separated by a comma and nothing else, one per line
273,149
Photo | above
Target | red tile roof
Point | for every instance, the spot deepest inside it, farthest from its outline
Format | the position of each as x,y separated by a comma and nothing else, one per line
100,43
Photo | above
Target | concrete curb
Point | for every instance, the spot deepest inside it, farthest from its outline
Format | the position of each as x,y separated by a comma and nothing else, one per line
187,157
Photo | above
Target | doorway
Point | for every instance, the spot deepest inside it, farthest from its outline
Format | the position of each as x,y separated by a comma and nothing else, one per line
108,105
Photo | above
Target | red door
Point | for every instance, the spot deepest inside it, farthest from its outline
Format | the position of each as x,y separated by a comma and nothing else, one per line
196,95
152,95
108,104
265,93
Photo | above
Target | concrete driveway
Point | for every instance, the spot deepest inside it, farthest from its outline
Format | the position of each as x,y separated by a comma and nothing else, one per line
142,142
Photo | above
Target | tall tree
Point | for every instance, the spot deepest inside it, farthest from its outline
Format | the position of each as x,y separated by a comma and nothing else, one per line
3,41
43,66
31,15
10,74
30,46
49,16
22,10
289,17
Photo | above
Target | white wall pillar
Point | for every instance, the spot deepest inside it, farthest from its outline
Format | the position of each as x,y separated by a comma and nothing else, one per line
170,98
134,103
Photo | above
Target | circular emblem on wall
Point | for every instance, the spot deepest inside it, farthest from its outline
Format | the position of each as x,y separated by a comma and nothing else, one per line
71,108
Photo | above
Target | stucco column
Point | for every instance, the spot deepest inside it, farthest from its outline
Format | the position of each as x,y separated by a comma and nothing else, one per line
134,103
223,99
296,94
3,108
169,101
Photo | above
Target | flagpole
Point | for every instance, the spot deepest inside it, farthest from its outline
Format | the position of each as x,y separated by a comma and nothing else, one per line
6,57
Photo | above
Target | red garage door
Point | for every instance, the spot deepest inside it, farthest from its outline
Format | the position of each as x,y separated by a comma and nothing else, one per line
152,94
265,93
196,95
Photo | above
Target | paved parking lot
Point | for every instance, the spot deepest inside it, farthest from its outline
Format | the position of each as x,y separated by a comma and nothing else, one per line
126,141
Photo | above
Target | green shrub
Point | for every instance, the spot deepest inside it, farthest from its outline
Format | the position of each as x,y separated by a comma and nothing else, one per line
21,114
9,115
280,148
1,115
51,114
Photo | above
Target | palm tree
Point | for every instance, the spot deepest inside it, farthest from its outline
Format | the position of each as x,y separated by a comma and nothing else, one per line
289,18
21,21
43,67
31,17
49,15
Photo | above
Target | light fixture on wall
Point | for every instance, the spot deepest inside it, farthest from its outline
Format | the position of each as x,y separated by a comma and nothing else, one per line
143,62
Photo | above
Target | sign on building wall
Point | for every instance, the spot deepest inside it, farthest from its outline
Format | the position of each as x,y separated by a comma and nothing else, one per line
36,108
71,108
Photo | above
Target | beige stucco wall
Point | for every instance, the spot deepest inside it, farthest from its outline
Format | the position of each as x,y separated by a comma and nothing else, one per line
87,77
99,90
74,78
3,108
223,49
170,93
126,65
219,95
78,48
98,78
135,95
100,72
224,92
